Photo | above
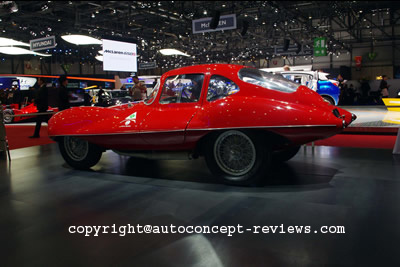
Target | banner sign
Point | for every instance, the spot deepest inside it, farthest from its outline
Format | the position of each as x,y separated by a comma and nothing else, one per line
119,56
43,43
149,65
226,22
320,47
292,51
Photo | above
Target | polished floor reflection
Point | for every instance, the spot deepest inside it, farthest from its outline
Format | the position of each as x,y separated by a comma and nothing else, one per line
40,197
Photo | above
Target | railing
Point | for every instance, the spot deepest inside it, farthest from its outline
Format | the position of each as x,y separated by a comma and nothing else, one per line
4,148
3,138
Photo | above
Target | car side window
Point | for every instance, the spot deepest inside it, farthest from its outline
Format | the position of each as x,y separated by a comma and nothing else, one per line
184,88
220,87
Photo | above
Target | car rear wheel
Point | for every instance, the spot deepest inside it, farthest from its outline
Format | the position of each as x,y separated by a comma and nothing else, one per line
237,157
8,116
285,154
79,153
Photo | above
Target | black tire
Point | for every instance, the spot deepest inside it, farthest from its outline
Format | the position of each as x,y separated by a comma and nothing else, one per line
285,154
79,153
248,160
7,113
329,100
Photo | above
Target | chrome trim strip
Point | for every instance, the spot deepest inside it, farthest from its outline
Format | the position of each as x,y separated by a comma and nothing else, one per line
207,129
266,127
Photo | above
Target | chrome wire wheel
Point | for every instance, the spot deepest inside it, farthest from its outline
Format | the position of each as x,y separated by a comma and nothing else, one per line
235,153
77,149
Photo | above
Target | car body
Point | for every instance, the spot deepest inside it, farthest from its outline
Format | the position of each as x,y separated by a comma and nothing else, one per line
30,110
239,118
317,81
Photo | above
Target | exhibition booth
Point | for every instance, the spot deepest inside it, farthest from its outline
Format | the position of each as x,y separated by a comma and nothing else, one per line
199,133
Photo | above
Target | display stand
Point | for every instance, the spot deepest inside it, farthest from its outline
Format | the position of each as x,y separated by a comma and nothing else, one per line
4,149
396,149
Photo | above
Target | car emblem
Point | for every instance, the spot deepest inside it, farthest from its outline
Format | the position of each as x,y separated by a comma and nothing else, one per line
129,119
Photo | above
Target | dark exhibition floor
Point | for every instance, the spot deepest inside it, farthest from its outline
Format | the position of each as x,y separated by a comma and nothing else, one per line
41,197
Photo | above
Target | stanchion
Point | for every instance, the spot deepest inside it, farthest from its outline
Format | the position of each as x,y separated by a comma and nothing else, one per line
4,149
396,149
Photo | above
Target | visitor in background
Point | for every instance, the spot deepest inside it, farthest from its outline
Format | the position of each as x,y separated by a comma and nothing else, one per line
42,104
63,97
341,88
286,68
384,87
3,97
9,96
100,97
16,98
139,90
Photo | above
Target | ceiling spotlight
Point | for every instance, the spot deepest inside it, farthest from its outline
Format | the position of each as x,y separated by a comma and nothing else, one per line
93,15
100,52
170,52
99,57
81,39
205,12
14,7
20,51
11,42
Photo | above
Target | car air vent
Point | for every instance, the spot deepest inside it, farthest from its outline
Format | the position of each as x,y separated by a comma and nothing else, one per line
336,113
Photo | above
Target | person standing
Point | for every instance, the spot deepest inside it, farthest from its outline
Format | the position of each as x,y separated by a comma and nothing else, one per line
42,104
139,91
384,87
100,97
63,97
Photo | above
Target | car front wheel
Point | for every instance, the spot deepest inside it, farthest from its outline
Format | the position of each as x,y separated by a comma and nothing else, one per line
79,153
237,157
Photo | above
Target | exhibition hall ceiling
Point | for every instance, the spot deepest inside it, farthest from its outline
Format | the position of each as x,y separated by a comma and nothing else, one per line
263,27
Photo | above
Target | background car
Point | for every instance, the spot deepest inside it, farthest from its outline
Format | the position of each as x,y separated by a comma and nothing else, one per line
238,118
317,81
30,109
114,97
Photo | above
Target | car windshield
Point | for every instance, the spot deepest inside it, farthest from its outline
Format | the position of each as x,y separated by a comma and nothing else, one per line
150,98
267,80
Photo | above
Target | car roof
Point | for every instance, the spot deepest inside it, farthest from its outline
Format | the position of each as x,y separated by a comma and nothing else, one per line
204,68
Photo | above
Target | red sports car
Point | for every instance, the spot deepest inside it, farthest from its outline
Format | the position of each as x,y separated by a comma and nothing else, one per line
30,109
238,118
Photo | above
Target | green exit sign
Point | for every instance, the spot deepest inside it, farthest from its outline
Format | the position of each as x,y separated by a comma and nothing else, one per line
320,47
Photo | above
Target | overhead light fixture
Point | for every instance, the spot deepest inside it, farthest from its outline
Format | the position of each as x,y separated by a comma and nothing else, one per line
9,6
100,52
99,58
20,51
171,52
81,39
10,42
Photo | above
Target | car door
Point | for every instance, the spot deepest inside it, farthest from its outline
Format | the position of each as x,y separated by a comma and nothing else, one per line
164,127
